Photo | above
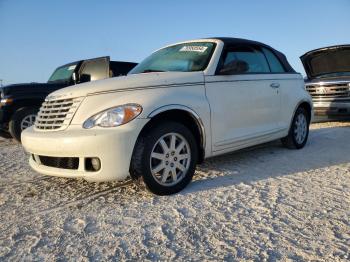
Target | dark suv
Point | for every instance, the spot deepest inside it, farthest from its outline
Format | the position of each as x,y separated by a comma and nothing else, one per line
21,102
328,81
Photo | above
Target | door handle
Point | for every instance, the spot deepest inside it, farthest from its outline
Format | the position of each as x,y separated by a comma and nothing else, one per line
275,85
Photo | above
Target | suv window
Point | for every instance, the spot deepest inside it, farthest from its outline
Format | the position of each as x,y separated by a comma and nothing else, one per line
275,64
96,68
244,59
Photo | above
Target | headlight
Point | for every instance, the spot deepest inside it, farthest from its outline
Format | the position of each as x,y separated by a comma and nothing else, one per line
6,101
113,117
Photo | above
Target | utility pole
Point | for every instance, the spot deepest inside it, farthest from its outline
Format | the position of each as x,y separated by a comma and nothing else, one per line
0,82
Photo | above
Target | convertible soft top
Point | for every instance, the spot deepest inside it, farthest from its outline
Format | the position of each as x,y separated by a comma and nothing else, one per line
239,41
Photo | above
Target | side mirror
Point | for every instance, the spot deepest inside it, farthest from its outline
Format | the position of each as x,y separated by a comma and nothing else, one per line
235,67
85,78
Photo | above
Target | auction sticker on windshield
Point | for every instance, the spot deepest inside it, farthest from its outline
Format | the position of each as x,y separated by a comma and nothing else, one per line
188,48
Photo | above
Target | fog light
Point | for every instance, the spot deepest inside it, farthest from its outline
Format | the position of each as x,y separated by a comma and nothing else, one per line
92,164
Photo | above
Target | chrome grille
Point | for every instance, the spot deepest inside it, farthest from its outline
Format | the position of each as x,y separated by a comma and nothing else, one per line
56,114
329,90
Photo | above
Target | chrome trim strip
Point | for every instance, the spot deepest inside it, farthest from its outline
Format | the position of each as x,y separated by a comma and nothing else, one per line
248,80
146,87
247,141
247,138
328,82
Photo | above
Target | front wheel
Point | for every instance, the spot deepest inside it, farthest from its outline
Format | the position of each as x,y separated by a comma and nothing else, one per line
21,120
299,130
164,159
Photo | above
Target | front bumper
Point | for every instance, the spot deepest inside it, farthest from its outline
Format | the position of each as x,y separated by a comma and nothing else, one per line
332,109
5,115
113,146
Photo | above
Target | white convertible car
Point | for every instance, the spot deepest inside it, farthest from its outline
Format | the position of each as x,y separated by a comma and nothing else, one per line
184,103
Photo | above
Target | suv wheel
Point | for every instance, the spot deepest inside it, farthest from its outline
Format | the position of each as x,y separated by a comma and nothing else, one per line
21,120
299,130
164,159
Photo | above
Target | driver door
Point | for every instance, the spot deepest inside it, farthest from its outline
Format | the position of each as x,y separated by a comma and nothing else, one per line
96,69
244,101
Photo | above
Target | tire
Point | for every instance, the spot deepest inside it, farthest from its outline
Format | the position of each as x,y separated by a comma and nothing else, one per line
150,154
17,124
299,127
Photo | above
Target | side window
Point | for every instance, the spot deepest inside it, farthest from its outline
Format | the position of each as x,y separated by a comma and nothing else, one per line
244,60
275,64
96,68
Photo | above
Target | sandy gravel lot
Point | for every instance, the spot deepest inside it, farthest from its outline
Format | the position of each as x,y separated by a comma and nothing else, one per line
266,203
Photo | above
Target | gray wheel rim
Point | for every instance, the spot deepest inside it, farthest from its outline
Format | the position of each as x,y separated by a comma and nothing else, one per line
300,128
170,159
28,121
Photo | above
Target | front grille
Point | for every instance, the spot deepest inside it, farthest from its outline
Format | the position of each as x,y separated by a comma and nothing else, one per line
56,114
329,90
60,162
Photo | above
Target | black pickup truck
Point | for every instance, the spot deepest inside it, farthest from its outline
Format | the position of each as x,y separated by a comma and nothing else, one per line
21,102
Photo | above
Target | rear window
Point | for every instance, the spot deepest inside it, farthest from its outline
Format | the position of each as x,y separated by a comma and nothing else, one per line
275,64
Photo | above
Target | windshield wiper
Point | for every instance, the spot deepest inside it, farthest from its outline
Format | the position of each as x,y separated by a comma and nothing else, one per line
151,71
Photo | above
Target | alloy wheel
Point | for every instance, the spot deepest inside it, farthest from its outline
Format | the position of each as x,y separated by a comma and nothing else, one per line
170,159
28,121
300,128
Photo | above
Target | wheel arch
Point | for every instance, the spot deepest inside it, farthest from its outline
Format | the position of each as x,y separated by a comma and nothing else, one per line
183,115
307,106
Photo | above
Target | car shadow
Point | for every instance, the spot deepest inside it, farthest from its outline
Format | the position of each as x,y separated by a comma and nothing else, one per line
326,147
5,135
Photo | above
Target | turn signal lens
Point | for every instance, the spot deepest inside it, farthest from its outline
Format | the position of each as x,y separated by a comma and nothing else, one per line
6,101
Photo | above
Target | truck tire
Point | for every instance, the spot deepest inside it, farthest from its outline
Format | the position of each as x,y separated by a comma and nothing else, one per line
22,119
164,158
299,130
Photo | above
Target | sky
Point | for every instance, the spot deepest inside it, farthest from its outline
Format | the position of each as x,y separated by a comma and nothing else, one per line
39,35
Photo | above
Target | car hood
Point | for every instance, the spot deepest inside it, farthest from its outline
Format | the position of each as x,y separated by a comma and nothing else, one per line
325,61
14,89
129,83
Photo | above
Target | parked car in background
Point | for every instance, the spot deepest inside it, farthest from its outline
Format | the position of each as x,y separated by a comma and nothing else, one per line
20,102
184,103
328,81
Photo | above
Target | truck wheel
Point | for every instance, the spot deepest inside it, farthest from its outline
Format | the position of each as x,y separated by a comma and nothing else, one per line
299,130
164,159
22,119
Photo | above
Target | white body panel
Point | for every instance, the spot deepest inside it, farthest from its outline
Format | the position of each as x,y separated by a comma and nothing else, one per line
114,149
242,107
233,112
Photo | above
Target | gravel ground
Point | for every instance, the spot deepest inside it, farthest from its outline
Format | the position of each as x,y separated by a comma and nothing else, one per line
265,203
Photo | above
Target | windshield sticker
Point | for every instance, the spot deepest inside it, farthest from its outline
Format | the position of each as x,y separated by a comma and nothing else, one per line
189,48
72,67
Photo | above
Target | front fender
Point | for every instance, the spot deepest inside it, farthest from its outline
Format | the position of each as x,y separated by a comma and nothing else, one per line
153,101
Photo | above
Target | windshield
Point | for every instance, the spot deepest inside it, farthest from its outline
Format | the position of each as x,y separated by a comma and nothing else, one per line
186,57
63,73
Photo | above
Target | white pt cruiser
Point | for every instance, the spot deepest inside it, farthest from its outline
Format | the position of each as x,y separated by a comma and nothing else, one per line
184,103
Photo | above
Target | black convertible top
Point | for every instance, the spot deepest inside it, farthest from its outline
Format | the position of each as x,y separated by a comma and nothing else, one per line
239,41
